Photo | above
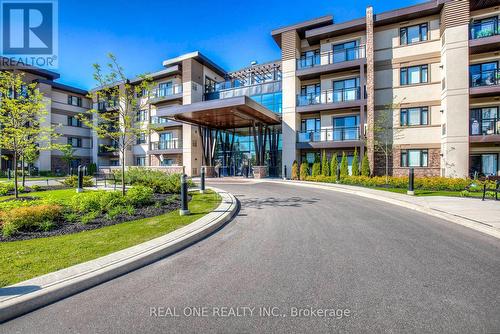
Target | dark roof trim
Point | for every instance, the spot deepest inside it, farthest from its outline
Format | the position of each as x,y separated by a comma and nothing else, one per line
408,13
315,35
301,27
61,86
172,70
198,56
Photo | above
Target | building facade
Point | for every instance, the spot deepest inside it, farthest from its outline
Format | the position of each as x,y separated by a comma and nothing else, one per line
422,80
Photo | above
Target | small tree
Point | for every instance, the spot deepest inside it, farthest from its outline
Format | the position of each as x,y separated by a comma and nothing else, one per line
385,133
68,155
334,165
365,166
295,170
325,168
344,167
304,170
117,123
355,163
22,114
316,169
29,157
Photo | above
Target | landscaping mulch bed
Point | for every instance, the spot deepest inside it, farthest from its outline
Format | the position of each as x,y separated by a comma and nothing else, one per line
65,227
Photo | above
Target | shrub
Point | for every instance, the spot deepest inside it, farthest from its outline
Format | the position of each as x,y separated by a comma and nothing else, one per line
365,166
89,217
304,170
36,187
334,165
344,167
295,170
31,218
325,167
316,169
3,191
158,181
72,181
139,196
355,163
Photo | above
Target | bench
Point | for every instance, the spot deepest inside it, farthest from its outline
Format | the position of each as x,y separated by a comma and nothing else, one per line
496,190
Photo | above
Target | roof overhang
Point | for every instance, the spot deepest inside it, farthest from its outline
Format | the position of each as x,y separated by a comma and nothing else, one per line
409,13
302,27
231,113
314,36
63,87
169,71
199,57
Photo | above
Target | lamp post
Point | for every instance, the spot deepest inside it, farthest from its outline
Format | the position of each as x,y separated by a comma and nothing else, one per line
202,181
411,182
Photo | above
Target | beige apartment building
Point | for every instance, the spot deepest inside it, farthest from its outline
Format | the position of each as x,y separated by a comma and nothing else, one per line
430,71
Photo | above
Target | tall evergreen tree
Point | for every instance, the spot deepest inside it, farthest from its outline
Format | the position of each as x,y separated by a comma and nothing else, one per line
325,168
344,167
334,164
355,163
365,166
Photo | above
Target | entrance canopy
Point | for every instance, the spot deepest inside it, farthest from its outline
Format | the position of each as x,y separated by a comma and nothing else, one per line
231,113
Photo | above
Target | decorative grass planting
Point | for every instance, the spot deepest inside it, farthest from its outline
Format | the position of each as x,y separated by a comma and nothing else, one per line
25,259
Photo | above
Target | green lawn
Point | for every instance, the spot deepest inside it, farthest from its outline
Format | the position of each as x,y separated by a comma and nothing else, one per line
22,260
33,178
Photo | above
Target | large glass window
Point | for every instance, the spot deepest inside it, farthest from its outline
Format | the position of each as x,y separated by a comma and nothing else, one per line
414,116
413,34
345,51
484,27
141,115
484,74
484,121
141,138
140,161
73,121
310,130
345,90
413,75
309,59
346,128
75,100
75,142
414,158
484,164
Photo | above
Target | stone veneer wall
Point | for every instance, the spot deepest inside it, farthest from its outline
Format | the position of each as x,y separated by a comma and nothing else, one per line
433,168
58,164
155,159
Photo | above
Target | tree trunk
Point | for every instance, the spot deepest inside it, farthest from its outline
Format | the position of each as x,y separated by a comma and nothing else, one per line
16,189
123,173
386,168
23,174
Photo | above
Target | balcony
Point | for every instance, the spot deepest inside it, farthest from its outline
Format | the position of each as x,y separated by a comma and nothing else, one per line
160,122
109,105
330,99
169,93
484,36
486,130
108,151
166,146
485,83
330,138
331,62
227,89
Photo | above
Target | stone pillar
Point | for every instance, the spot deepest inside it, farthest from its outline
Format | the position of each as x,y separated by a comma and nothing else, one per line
455,18
291,120
370,88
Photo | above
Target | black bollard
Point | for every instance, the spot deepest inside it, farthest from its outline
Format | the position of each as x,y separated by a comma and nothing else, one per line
79,188
411,182
284,176
338,175
202,181
184,196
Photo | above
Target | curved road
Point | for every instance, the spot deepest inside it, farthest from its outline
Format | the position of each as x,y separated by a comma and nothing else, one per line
374,267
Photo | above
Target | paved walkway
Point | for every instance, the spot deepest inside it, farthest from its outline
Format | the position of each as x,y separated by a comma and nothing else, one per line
391,269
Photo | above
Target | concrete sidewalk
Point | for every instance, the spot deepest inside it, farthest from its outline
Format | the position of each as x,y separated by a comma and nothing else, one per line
472,212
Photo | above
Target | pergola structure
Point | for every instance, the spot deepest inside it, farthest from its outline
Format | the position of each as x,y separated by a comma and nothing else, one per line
218,119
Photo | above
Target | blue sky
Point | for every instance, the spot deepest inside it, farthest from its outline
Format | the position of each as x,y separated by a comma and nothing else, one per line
144,33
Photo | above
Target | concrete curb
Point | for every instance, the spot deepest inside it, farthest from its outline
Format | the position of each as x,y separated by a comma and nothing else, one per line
43,290
475,225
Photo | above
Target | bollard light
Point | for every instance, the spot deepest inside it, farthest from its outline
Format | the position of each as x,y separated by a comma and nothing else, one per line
202,181
184,196
284,176
411,182
79,188
338,175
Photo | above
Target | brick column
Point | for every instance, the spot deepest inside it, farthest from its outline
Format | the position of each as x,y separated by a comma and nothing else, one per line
370,88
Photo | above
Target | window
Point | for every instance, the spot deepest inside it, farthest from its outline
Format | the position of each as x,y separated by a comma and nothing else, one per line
413,34
414,116
141,138
484,121
210,85
346,128
114,163
484,164
75,142
309,59
141,115
345,90
345,51
167,162
73,121
140,161
310,130
75,100
414,158
484,27
485,74
413,75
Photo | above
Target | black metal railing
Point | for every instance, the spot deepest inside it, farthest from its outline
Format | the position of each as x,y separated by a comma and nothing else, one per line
485,78
335,134
166,145
486,126
484,29
166,91
308,62
329,96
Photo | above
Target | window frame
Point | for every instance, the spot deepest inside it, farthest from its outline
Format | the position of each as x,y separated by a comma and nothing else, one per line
406,112
79,123
406,72
78,142
405,158
72,98
421,37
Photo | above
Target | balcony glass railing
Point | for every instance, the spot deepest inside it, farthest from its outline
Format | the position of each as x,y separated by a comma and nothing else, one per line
160,92
485,78
332,57
329,96
159,120
166,145
484,127
226,90
484,29
335,134
104,105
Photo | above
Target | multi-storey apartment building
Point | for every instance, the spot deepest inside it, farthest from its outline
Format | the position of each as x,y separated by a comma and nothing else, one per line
63,103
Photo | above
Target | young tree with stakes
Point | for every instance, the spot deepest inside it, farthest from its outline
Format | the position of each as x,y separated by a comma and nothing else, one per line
122,101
